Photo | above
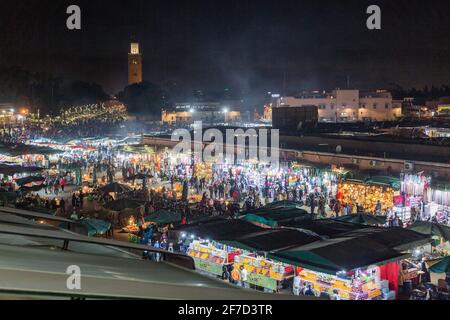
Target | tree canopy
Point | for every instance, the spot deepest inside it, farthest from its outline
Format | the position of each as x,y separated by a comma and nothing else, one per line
43,91
144,98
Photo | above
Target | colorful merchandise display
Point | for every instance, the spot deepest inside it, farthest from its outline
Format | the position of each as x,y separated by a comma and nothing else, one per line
356,285
366,195
263,272
210,258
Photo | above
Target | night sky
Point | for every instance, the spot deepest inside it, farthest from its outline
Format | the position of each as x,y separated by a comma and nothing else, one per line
248,44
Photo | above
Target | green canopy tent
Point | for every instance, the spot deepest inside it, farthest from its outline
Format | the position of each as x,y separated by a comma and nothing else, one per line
392,182
164,217
270,240
122,204
431,229
362,218
284,204
352,173
260,220
442,266
274,217
334,255
95,226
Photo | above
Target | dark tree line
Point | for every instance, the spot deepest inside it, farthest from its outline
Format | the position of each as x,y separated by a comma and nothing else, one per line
43,91
422,95
144,98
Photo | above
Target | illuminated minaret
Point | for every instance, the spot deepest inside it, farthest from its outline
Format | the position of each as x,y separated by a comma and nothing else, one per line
134,64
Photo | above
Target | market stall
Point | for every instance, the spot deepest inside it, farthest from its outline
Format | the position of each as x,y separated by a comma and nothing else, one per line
361,284
367,194
162,217
274,217
262,272
350,269
210,256
438,203
96,227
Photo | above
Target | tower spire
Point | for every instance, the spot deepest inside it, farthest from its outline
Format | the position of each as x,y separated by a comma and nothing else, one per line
134,64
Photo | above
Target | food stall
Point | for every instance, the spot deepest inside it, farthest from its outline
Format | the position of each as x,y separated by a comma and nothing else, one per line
203,170
366,194
360,284
262,272
210,256
266,274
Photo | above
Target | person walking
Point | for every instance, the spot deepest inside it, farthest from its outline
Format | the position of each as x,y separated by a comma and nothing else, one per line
56,186
62,206
312,203
235,275
157,255
62,183
225,272
244,276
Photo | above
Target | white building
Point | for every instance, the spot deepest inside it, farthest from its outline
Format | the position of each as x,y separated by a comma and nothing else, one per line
348,105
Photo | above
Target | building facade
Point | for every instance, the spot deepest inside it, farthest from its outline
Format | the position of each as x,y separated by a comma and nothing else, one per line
207,112
348,105
134,64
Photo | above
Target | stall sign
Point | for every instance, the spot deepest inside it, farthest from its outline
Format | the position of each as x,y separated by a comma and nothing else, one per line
262,281
208,266
398,200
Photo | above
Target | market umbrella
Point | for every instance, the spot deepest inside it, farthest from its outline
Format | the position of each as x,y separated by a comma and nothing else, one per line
122,204
29,179
431,229
115,187
362,218
442,266
164,217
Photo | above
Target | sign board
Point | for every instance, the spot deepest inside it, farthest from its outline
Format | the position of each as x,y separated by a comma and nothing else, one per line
208,266
261,281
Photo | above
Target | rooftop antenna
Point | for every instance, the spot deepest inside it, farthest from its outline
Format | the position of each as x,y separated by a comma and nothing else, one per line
348,81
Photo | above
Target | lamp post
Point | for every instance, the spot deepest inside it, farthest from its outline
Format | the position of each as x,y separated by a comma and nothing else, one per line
225,111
